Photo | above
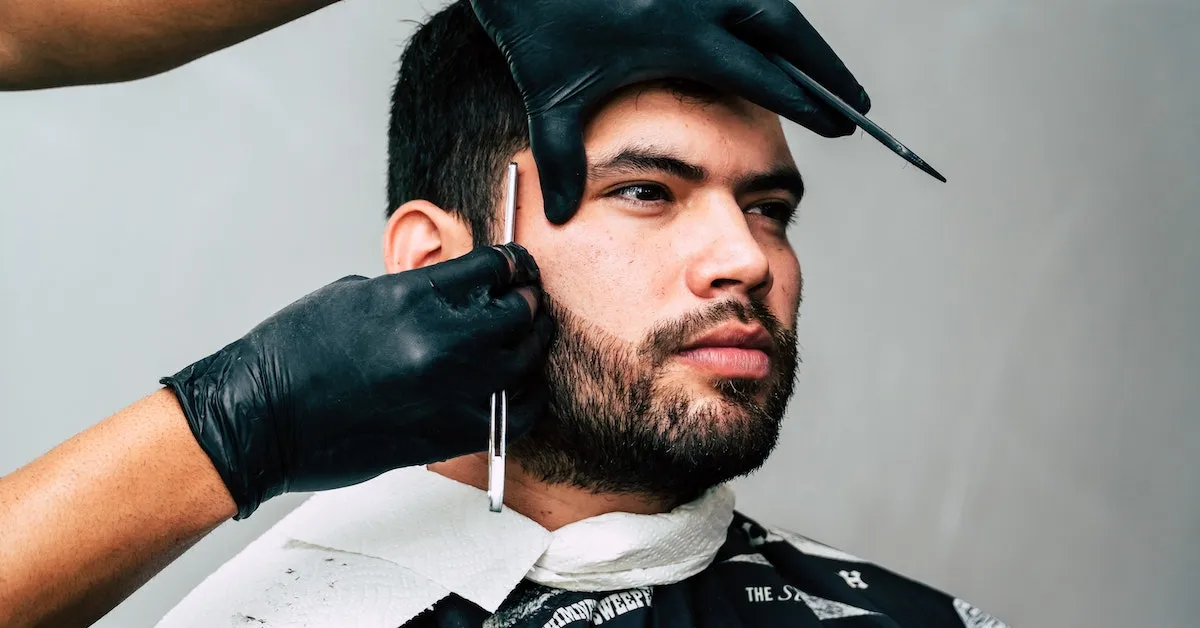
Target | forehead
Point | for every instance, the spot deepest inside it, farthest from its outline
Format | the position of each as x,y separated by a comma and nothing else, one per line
727,130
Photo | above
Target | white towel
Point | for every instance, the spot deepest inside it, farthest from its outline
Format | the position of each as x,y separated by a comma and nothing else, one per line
381,552
625,551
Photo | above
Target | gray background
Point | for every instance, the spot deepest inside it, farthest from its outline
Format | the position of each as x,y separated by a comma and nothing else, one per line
1000,383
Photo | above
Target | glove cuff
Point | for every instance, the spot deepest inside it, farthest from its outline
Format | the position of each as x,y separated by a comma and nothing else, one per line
222,417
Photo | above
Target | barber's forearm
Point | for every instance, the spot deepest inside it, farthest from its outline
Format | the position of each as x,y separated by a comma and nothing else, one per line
88,523
53,43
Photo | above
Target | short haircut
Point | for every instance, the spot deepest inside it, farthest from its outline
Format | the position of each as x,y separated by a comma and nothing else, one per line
458,118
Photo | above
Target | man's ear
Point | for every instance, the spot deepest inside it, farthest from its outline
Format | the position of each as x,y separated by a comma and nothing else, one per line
420,233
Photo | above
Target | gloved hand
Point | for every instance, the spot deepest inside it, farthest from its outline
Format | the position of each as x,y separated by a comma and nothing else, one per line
368,375
567,55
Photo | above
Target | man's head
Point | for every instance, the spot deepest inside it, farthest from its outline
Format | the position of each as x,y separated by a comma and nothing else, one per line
674,286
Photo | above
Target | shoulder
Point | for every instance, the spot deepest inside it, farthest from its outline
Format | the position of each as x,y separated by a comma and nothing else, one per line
906,601
278,580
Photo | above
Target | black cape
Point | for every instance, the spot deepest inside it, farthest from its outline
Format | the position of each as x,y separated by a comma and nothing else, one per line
757,580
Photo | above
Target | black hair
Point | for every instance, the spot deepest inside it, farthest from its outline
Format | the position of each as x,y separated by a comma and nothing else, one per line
457,118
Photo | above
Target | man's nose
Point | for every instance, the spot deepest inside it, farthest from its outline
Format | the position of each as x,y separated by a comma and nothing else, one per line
730,258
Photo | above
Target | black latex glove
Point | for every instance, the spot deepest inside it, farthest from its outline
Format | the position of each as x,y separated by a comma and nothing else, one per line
368,375
567,55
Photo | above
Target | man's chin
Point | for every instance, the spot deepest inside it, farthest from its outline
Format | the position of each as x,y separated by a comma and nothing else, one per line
720,392
725,410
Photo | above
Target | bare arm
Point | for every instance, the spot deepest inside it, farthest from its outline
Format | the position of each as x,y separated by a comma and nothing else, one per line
54,43
88,523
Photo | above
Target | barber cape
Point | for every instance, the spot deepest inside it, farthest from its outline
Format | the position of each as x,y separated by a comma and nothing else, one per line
414,549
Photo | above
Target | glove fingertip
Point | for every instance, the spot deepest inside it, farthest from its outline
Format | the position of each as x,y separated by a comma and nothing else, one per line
864,101
524,267
560,199
556,140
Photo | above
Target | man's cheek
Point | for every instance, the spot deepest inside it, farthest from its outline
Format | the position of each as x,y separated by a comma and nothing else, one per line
574,281
786,294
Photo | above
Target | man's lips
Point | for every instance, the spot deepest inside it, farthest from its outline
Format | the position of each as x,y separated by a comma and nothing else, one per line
732,351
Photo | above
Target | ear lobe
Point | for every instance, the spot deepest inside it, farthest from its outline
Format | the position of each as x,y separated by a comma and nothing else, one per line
419,234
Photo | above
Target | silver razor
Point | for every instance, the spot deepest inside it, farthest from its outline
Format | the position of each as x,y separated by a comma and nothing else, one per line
498,436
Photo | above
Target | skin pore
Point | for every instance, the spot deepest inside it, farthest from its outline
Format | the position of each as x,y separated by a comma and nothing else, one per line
682,232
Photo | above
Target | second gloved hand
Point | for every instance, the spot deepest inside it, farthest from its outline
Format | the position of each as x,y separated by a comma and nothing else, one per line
368,375
568,55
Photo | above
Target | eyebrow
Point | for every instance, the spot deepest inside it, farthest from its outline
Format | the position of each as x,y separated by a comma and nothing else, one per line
644,160
785,178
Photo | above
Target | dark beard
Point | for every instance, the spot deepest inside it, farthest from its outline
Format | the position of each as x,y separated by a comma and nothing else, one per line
615,427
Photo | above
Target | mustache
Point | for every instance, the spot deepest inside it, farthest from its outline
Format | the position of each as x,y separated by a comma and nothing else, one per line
666,338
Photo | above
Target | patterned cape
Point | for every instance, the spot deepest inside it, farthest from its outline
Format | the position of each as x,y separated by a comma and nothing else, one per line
761,578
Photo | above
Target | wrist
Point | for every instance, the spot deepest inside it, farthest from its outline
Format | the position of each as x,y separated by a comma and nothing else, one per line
227,418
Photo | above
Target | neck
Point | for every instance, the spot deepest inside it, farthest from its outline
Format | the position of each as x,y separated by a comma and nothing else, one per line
550,505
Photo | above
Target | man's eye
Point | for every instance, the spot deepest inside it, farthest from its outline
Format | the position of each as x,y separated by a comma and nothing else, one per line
779,211
643,193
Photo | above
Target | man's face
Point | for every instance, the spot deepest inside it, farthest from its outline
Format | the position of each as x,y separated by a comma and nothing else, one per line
676,294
